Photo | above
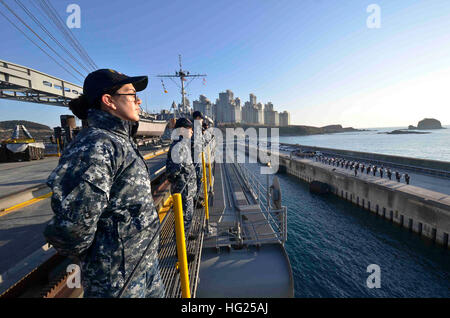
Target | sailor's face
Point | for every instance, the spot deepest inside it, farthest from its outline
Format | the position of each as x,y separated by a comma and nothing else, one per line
127,106
188,132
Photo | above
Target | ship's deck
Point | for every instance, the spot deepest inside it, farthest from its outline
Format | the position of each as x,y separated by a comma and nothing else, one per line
259,267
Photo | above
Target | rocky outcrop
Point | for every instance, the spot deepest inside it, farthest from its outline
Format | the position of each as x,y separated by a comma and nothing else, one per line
401,132
337,129
428,123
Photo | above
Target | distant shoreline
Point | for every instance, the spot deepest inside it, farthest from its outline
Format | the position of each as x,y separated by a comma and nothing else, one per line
297,130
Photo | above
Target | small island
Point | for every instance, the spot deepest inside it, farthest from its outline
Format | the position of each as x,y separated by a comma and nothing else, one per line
427,123
424,124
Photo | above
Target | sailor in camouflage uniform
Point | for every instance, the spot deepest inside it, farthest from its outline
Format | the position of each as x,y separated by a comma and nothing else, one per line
104,212
197,146
208,144
180,168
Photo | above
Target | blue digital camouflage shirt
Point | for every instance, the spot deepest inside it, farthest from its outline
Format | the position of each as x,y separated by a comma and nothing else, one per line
104,211
180,171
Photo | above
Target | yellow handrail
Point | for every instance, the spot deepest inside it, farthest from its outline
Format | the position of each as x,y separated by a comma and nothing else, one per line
181,246
209,167
57,147
205,187
179,228
167,205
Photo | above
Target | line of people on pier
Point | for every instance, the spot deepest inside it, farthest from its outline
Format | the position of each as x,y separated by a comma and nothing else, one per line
363,168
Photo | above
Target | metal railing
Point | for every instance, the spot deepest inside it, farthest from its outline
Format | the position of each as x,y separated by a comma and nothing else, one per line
275,218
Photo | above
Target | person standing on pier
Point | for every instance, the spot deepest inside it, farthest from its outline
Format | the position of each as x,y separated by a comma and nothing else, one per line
374,170
105,216
389,174
397,176
407,178
180,169
381,172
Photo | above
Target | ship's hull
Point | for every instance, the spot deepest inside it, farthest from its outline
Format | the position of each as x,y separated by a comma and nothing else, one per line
151,128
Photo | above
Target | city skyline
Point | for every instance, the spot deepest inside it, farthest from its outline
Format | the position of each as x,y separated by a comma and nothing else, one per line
322,60
228,109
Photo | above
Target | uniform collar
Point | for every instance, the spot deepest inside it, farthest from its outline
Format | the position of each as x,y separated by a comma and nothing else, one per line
104,120
176,137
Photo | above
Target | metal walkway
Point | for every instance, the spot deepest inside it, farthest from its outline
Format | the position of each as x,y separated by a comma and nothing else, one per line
243,255
240,213
236,219
168,253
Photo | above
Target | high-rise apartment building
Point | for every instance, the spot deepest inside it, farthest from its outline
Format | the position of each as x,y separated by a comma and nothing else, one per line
228,109
252,112
285,119
205,106
271,116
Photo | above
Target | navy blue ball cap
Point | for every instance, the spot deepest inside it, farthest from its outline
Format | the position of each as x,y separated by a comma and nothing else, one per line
183,122
100,81
198,114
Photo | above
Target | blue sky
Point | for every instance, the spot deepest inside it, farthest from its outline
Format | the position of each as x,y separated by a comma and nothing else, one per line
316,59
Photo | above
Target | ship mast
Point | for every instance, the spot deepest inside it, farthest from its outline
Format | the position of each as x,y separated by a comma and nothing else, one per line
182,75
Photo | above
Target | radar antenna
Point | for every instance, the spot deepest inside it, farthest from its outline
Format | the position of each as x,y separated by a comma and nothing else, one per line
182,75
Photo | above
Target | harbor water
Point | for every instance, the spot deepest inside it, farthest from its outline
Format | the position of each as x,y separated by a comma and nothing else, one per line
331,243
434,145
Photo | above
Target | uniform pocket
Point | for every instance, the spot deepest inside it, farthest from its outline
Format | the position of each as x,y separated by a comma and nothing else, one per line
99,176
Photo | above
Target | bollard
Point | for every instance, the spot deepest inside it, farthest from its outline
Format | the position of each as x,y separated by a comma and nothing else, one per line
181,246
205,190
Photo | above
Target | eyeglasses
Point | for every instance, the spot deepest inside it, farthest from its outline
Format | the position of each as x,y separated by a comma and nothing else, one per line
134,94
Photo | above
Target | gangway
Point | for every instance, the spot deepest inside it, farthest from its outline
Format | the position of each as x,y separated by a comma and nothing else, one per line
25,84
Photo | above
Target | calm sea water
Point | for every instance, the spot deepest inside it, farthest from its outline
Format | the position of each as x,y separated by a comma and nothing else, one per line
332,242
435,145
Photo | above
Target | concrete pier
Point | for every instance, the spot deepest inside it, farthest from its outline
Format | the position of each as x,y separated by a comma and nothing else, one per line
420,210
424,166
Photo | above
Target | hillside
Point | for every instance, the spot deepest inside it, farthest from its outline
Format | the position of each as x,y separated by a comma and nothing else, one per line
296,130
38,131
